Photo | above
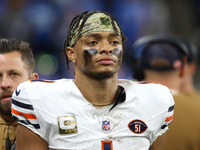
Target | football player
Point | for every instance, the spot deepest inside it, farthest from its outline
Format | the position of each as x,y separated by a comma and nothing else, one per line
95,110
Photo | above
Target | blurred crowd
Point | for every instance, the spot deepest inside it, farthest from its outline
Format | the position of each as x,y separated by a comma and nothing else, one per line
44,24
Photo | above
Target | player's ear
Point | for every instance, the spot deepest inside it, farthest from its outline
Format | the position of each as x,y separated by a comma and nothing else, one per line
70,53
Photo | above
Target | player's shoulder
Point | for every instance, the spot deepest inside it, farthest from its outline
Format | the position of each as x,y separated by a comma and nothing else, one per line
157,91
153,86
40,84
142,85
146,90
45,82
36,89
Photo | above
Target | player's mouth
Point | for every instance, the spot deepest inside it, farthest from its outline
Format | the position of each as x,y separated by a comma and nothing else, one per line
106,61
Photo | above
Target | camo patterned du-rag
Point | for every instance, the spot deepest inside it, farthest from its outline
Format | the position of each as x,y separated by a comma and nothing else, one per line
96,22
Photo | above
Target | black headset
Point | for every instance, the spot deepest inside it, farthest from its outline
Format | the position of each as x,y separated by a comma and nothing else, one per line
137,48
193,51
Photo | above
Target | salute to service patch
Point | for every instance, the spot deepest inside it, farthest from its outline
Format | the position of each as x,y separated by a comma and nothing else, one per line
67,125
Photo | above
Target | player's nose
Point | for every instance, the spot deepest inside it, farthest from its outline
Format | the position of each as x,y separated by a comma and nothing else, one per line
105,47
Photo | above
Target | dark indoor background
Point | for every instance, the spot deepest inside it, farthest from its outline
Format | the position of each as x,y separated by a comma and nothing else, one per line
44,24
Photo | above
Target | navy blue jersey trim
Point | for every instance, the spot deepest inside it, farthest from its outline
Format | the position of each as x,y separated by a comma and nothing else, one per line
121,97
37,126
171,108
107,146
164,126
26,106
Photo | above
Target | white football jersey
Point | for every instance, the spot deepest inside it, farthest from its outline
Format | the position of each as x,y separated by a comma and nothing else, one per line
58,113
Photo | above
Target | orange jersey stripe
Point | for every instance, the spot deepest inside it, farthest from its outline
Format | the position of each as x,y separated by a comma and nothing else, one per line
28,116
169,118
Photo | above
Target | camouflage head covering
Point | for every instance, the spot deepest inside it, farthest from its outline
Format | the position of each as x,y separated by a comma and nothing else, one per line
96,22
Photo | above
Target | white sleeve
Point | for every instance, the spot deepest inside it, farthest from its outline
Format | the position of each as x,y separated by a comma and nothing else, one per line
167,116
23,110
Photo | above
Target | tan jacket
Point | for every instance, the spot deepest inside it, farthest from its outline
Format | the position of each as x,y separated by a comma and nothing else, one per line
184,131
7,130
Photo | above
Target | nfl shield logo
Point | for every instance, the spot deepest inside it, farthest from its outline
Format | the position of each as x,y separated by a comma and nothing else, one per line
106,125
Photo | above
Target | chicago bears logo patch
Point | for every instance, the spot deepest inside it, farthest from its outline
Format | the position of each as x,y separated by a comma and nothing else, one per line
137,126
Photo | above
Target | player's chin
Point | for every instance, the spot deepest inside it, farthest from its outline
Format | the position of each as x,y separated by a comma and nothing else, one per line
105,74
100,75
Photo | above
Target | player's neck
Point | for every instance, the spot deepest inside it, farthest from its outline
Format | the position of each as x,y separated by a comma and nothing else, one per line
98,91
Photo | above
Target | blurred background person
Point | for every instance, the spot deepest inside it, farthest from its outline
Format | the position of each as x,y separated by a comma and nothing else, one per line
17,65
162,59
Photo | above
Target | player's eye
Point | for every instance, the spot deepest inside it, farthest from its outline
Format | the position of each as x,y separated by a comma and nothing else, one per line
92,43
114,42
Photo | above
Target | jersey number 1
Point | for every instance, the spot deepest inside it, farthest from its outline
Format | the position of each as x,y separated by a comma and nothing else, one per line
106,145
